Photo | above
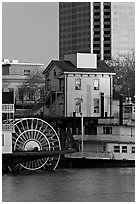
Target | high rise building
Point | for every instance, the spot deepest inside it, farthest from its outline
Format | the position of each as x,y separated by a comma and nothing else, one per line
96,27
123,27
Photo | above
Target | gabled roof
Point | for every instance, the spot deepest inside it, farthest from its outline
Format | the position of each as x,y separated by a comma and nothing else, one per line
67,66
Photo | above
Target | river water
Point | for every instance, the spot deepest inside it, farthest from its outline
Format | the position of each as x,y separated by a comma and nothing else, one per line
71,185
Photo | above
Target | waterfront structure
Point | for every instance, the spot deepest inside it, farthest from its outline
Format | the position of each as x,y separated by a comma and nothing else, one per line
27,143
79,84
113,145
96,27
15,73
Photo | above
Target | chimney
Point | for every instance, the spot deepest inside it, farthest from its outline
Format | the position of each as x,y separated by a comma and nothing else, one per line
121,109
82,60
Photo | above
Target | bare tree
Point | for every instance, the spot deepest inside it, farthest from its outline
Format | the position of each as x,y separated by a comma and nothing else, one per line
124,80
33,88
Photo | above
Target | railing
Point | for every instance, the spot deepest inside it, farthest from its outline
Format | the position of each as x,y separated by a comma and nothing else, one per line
6,108
106,138
56,88
8,127
91,155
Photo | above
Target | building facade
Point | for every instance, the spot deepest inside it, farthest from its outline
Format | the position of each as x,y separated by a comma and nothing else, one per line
78,85
96,27
123,27
14,74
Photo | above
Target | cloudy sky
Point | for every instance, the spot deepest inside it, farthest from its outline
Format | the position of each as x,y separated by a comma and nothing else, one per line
30,31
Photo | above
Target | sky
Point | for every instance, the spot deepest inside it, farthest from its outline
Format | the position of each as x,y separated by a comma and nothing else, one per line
30,31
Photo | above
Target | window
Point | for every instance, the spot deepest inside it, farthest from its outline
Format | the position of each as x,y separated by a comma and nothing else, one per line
128,109
124,149
117,149
78,105
21,94
96,84
2,139
133,149
27,72
107,130
77,84
96,105
48,84
54,72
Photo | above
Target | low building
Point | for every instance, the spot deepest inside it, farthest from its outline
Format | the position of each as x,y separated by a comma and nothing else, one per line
14,74
79,84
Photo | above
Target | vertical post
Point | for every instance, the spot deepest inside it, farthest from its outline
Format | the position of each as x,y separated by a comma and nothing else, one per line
82,134
121,109
110,95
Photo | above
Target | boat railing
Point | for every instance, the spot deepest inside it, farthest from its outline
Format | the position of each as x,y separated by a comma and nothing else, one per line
6,108
90,155
8,127
106,138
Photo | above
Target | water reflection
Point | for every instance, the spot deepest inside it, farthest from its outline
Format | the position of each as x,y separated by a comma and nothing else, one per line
71,185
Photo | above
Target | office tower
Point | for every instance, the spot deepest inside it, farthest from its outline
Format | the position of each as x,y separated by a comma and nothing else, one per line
74,28
91,27
123,27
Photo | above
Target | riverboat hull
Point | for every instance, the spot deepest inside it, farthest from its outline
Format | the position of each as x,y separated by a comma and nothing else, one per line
97,163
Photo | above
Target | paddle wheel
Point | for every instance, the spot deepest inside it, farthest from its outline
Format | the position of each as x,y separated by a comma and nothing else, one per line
35,135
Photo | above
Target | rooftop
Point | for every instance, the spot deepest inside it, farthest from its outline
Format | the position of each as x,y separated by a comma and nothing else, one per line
16,62
67,66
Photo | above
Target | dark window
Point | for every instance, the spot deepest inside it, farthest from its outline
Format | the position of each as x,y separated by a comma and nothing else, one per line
106,39
54,72
117,149
27,72
133,150
106,51
106,26
96,105
96,26
106,45
106,19
106,32
107,13
107,130
124,149
97,13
